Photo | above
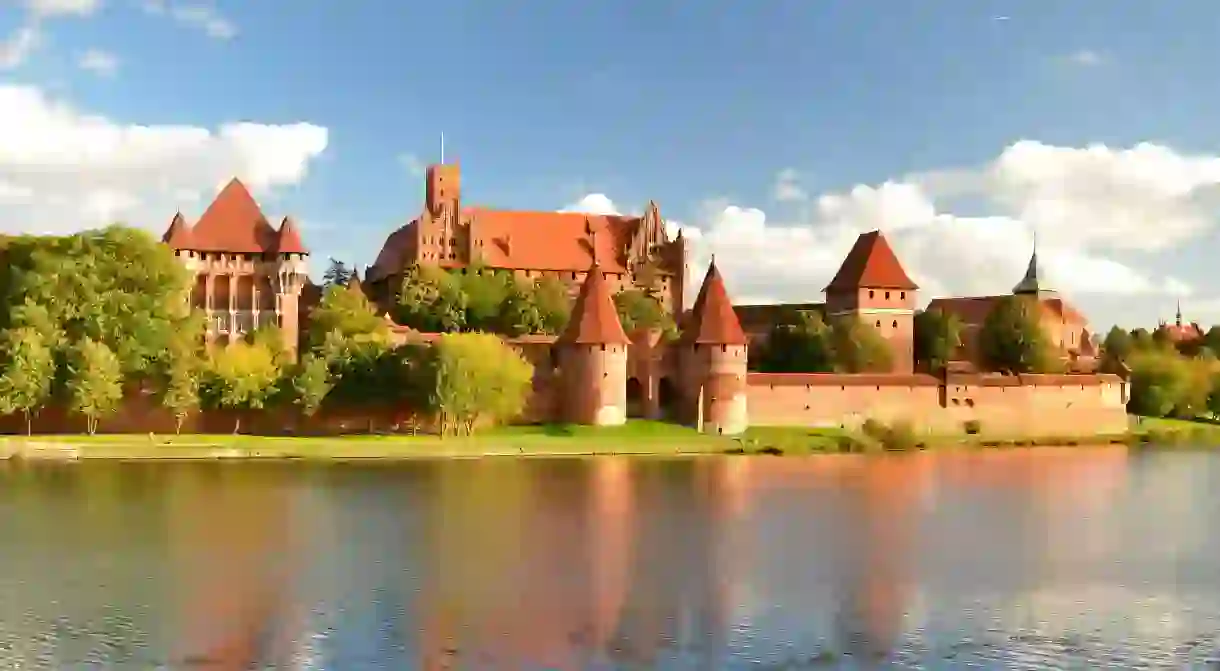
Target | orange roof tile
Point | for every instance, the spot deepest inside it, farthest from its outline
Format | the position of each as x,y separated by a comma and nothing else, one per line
974,309
712,320
871,263
233,223
178,235
594,319
288,240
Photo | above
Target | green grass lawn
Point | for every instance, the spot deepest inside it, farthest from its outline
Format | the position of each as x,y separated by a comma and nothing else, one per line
637,437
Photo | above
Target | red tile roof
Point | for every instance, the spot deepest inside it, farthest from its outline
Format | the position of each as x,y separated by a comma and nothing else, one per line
974,309
288,240
594,319
712,320
871,264
234,224
178,235
1183,333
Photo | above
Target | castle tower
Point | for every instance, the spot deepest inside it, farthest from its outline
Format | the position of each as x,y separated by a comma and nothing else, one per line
248,274
714,360
872,286
593,358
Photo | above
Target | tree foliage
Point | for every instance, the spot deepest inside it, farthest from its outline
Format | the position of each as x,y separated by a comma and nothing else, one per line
859,347
937,336
241,376
473,377
431,300
346,310
118,286
1011,339
520,313
27,372
638,309
94,382
310,384
336,274
799,342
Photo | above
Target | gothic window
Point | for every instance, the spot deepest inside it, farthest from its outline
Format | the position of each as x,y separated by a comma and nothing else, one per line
887,295
895,323
902,295
870,293
878,323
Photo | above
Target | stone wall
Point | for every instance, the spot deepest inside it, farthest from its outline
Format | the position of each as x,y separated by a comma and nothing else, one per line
1001,405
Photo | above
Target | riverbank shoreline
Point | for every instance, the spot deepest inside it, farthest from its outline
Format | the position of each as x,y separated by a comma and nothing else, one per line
636,439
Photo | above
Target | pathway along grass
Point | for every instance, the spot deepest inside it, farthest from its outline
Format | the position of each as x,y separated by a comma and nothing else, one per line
637,437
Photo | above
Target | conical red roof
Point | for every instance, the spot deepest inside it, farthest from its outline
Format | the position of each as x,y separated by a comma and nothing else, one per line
287,240
178,235
234,223
594,319
871,264
712,320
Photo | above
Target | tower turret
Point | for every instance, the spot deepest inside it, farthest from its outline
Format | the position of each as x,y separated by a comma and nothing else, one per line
714,360
1034,283
872,286
593,358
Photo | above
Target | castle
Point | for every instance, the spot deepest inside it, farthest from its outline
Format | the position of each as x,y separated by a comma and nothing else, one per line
596,373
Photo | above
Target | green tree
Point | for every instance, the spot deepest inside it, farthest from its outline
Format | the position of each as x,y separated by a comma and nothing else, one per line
1141,340
431,300
119,286
241,377
311,384
859,347
472,377
1211,339
346,310
94,382
1011,338
1159,384
639,310
937,336
1117,344
519,313
799,342
337,274
554,304
180,393
485,290
27,372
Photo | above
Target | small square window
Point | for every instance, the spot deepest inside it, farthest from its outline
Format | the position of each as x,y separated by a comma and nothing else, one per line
887,295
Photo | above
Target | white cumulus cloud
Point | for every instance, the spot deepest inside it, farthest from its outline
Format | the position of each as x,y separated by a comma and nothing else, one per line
62,169
102,63
1091,208
201,16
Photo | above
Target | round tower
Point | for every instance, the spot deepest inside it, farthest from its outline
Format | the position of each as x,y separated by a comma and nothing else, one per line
714,352
593,358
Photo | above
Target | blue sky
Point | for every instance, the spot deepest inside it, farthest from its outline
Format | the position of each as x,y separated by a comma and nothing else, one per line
700,105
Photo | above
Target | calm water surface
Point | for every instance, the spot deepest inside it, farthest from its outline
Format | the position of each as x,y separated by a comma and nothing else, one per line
1025,559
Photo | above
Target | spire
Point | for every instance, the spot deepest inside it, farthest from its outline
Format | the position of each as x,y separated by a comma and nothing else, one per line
287,240
1178,316
712,320
594,319
178,235
871,264
1032,283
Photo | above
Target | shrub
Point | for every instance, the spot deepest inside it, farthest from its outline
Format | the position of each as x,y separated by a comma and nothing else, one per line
896,436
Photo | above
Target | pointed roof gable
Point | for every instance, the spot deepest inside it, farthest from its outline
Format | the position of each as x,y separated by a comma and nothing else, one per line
712,320
234,223
287,240
1032,282
178,235
594,319
871,264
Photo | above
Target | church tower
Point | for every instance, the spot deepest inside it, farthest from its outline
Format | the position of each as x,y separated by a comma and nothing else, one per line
1034,284
593,358
713,361
872,286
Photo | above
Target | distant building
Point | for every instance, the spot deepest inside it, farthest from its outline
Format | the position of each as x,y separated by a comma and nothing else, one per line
634,251
1180,333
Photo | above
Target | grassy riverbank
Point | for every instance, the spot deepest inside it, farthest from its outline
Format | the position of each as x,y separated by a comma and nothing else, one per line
639,438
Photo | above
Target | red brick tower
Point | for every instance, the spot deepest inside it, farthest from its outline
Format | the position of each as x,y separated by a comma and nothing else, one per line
247,272
593,358
713,355
872,286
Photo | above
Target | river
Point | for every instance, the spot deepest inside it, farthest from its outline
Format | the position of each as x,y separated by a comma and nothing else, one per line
1006,559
